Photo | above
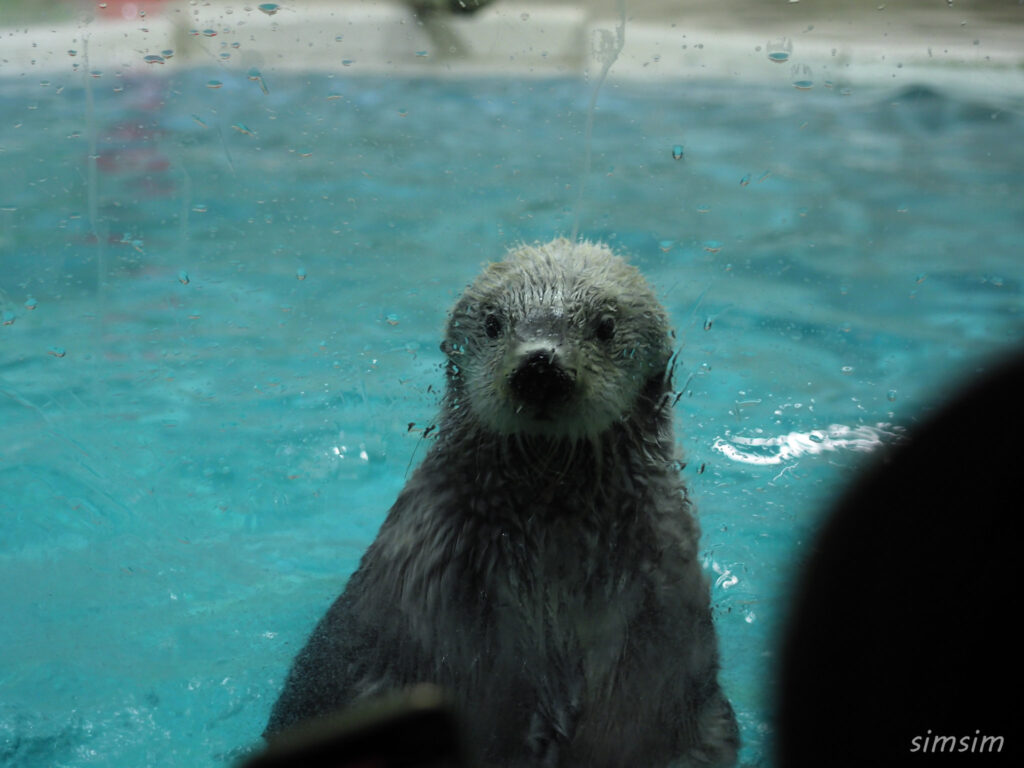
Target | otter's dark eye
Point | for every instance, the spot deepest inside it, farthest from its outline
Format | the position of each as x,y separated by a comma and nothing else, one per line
605,329
492,326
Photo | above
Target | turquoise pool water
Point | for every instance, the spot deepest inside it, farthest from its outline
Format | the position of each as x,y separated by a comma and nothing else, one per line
219,347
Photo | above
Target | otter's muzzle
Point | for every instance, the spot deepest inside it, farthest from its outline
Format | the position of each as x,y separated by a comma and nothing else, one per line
541,381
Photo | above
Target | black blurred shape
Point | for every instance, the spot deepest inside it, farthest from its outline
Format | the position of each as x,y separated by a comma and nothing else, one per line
906,620
415,729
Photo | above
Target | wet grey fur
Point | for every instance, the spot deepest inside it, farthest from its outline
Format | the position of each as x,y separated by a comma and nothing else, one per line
541,564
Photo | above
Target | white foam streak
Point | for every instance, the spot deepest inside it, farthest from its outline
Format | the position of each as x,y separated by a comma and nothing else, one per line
775,450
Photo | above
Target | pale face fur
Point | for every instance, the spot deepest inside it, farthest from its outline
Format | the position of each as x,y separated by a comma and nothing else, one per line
580,307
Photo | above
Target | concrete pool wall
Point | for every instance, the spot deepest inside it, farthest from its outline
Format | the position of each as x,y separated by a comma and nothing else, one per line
960,47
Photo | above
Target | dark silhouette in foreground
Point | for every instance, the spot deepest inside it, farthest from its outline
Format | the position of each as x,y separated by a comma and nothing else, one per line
904,647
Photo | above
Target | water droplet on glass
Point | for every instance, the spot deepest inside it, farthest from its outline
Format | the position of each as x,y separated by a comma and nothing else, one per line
802,77
891,395
779,50
347,62
421,54
242,128
745,180
338,38
666,245
269,8
214,84
333,96
31,303
199,120
183,277
167,53
707,324
72,52
153,59
801,211
209,33
7,318
200,208
712,246
96,73
703,208
846,370
56,351
677,152
256,76
224,55
391,318
300,273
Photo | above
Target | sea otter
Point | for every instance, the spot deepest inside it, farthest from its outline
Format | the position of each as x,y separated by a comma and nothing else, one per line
541,564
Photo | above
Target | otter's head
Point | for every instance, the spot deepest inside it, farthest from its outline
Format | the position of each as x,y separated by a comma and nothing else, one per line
562,340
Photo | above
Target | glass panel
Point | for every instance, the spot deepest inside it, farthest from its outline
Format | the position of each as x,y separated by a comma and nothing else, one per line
230,233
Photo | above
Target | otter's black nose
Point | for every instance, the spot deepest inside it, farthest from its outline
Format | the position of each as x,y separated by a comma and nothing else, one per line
540,380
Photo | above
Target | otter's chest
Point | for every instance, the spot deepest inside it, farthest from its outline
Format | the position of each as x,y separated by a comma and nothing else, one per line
567,589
